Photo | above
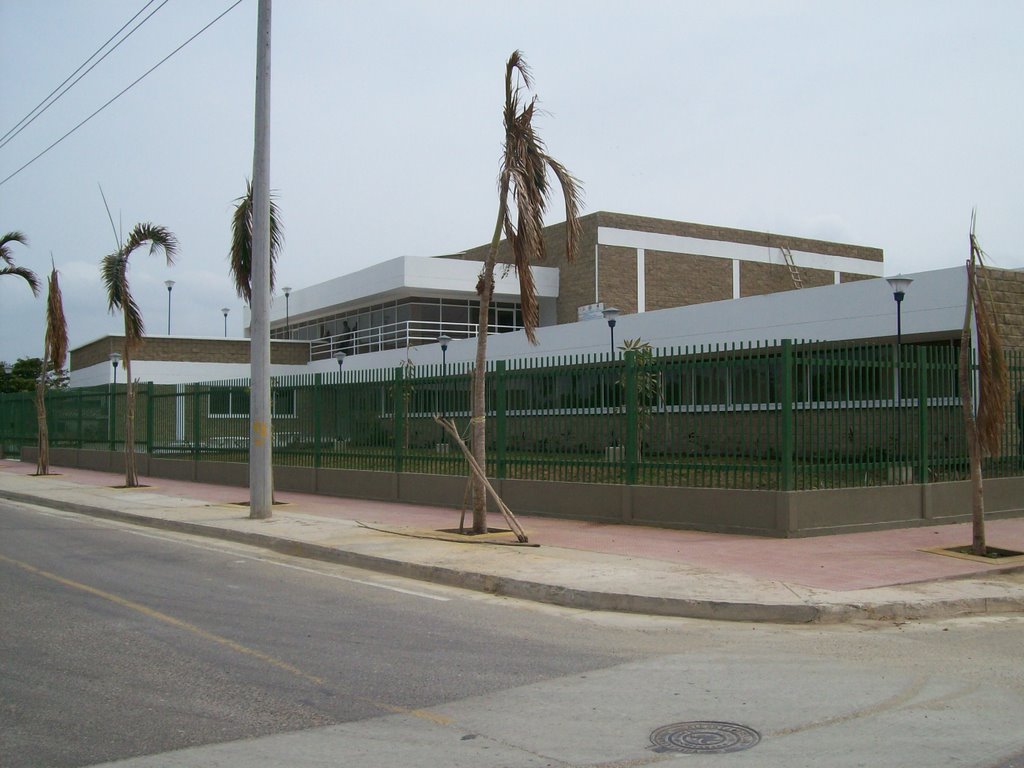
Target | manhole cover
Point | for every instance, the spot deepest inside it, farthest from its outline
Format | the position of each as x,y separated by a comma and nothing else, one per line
703,737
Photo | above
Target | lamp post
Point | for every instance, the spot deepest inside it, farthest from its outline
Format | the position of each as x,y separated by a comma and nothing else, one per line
610,314
340,357
287,311
225,311
899,285
115,358
170,285
444,340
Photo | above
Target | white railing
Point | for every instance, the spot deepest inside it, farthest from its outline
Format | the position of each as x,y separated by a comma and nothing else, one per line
396,336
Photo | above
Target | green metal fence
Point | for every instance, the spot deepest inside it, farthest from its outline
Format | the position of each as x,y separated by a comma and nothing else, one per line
793,416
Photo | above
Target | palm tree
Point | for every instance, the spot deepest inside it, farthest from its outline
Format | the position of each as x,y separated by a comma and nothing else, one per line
55,350
114,269
984,427
240,256
523,176
10,268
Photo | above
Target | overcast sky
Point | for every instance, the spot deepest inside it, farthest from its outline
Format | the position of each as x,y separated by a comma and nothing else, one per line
875,123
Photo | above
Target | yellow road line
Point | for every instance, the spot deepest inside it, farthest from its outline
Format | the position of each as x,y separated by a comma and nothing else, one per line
226,642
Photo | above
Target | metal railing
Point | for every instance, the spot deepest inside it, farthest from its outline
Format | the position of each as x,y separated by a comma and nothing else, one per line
794,416
407,333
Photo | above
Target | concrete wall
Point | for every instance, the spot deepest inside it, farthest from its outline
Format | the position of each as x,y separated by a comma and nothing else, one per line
756,513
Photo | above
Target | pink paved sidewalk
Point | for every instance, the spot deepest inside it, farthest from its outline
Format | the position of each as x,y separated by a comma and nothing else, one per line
837,562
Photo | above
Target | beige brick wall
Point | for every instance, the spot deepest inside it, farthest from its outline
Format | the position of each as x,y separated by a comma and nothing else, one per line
677,279
1007,288
190,350
671,279
757,279
766,239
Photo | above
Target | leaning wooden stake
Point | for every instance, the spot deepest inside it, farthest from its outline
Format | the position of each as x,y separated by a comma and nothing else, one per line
449,426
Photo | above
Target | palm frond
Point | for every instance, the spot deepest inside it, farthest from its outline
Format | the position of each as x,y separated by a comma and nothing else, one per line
5,241
56,339
159,238
240,255
23,272
524,169
993,375
13,269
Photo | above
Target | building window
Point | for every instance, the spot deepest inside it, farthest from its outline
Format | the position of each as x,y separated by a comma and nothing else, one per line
233,403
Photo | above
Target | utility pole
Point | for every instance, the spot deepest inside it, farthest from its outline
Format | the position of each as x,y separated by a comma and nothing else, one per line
261,477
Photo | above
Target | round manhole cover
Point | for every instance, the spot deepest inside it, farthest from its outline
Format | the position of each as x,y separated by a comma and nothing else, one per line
703,737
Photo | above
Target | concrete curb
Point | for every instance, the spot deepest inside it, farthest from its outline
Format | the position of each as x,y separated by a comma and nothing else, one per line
561,595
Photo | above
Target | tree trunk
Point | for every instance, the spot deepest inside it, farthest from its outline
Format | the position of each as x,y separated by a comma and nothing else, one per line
978,546
43,443
131,478
479,412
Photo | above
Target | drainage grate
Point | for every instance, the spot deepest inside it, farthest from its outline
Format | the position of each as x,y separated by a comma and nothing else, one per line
703,737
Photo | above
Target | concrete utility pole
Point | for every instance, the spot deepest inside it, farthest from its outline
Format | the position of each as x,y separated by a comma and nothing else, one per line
261,476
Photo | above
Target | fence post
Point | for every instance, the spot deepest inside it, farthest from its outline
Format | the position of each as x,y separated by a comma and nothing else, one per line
400,426
317,412
112,414
500,406
922,415
195,422
149,418
81,416
631,418
786,427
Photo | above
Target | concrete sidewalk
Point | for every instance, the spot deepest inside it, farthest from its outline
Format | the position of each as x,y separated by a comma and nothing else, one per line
875,575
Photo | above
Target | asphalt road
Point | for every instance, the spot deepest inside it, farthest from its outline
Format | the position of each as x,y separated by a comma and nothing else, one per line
124,644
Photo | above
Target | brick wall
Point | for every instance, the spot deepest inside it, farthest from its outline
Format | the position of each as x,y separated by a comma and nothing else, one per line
757,279
766,239
174,349
671,279
1007,288
676,279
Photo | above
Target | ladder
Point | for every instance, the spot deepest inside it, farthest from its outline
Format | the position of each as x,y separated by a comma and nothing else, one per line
798,281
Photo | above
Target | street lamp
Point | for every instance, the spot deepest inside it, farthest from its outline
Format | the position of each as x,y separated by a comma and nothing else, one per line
610,314
899,285
340,357
169,284
444,340
115,358
287,312
225,310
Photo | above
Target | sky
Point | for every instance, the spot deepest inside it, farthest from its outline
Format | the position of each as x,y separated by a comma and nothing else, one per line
876,123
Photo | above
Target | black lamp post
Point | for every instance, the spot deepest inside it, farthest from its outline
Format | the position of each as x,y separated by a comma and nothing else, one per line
170,285
444,340
287,312
340,357
899,285
610,314
224,311
115,358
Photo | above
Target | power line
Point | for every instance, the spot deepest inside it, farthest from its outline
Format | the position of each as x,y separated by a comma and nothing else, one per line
123,92
28,119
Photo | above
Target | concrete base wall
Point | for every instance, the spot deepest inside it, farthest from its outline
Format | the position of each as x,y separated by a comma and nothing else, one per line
756,513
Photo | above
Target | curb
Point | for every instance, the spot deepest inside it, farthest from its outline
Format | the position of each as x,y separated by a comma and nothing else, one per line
560,595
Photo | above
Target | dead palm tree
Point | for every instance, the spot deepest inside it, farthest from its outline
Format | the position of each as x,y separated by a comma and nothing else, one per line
240,256
10,268
114,270
55,350
523,176
983,426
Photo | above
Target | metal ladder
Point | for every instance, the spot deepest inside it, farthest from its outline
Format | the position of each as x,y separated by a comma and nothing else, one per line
798,281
